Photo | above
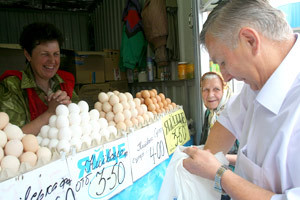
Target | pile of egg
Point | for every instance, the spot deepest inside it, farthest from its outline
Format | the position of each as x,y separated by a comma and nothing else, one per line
122,110
73,126
156,103
17,148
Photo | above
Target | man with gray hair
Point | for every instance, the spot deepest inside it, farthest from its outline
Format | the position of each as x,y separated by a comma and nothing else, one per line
252,42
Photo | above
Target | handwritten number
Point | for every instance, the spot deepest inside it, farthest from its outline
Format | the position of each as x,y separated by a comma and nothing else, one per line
101,179
115,176
123,167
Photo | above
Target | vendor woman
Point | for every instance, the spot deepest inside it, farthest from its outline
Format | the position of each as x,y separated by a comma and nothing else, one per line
30,97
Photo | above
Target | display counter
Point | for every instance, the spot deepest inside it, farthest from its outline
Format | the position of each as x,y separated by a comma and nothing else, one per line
132,165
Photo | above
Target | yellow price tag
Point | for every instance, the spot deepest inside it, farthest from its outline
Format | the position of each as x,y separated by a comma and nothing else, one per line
175,130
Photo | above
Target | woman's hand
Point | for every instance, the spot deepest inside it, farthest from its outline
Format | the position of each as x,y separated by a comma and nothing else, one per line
201,162
57,98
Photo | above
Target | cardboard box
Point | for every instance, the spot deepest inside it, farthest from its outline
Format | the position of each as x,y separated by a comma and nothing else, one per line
87,67
11,57
121,86
112,69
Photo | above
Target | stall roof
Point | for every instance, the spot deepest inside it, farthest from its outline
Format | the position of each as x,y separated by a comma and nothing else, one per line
62,5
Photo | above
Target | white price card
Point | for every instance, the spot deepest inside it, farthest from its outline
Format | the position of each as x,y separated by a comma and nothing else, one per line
101,172
147,149
51,181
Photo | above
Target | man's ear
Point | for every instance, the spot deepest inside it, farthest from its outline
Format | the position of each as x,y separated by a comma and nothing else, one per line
27,55
251,39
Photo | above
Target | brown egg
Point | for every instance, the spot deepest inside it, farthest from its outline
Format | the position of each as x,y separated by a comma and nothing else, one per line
168,100
158,110
156,106
173,104
152,94
148,101
161,105
145,94
29,157
155,91
30,143
154,112
167,108
154,100
138,95
164,102
170,106
158,98
151,107
163,110
142,100
162,96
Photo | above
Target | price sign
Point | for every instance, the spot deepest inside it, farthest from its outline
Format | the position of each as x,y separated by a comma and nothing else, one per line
101,172
51,181
175,129
147,149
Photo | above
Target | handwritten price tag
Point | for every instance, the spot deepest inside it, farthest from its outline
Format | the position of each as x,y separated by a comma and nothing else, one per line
175,129
101,172
51,181
147,149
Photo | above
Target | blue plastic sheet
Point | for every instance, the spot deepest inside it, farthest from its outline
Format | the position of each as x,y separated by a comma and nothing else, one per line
148,186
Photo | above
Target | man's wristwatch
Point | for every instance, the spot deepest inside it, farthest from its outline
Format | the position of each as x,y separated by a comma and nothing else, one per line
218,177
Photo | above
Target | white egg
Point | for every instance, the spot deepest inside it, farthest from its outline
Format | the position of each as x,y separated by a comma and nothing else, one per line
122,97
134,112
13,132
86,139
52,121
64,134
109,93
53,143
125,105
102,114
116,92
4,120
63,145
85,118
106,107
129,96
137,102
119,117
74,119
44,153
113,99
30,143
73,108
95,125
10,163
112,130
44,131
98,106
1,154
14,148
84,106
76,142
94,114
140,110
109,116
134,121
144,107
86,129
3,139
76,131
146,117
140,119
39,139
45,142
105,133
128,123
62,110
118,107
131,104
102,97
103,123
53,133
62,121
127,114
112,123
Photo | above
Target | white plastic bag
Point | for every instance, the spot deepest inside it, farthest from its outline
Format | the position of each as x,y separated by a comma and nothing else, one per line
182,185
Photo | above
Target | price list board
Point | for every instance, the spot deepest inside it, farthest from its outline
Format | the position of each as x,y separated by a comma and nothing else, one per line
51,181
147,149
175,129
101,172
